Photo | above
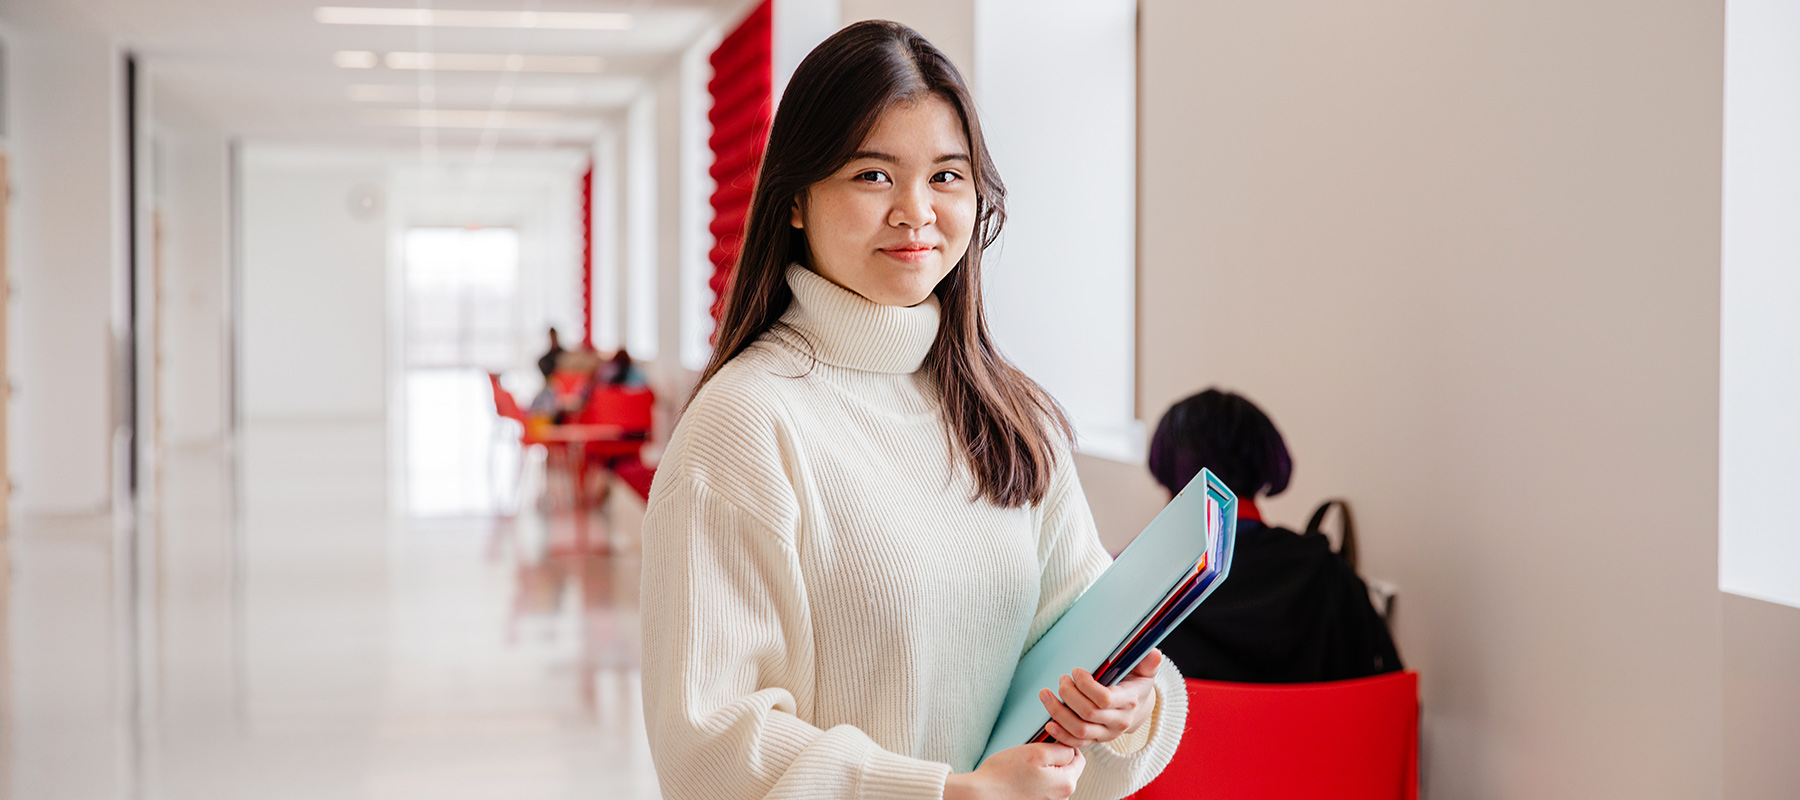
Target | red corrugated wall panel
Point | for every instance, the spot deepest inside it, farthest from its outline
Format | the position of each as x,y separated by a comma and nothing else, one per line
587,255
741,86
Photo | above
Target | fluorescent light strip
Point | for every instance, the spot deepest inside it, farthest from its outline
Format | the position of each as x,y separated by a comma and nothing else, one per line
466,118
429,17
355,59
522,96
493,62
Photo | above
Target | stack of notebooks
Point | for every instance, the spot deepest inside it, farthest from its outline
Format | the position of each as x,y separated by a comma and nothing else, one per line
1169,568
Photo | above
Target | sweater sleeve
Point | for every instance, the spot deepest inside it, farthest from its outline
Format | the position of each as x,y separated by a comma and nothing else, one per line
728,666
1073,558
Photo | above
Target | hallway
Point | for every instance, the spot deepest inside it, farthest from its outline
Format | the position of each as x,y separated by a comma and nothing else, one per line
305,643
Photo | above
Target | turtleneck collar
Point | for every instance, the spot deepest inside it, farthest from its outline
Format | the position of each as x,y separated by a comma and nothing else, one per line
845,329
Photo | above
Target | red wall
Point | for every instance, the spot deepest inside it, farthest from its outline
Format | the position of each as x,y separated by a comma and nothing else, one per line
742,104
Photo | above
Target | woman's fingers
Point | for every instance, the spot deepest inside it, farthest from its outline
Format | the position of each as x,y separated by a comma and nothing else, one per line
1097,695
1064,737
1072,724
1079,700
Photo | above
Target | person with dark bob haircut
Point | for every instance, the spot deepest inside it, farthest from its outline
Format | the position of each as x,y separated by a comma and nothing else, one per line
1227,434
866,514
1292,610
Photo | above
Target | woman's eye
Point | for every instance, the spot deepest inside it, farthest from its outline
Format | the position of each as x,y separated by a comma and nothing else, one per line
945,177
872,176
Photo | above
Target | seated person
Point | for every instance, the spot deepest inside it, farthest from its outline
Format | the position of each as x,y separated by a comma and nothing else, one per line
566,386
547,362
623,372
1292,610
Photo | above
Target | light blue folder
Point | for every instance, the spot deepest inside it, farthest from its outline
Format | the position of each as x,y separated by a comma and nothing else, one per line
1095,626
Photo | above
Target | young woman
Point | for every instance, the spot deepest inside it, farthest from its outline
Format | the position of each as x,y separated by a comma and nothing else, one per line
866,514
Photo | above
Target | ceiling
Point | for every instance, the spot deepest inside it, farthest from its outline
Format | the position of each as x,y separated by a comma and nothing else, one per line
263,69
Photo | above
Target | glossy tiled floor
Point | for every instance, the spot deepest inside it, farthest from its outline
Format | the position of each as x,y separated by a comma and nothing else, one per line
296,640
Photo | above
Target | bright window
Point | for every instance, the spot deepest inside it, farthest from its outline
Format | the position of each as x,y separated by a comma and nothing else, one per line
462,298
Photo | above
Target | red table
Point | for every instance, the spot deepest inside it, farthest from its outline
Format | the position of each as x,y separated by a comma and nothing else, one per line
576,437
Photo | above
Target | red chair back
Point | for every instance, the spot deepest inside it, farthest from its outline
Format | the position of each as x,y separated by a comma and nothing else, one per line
1346,740
568,386
631,409
504,404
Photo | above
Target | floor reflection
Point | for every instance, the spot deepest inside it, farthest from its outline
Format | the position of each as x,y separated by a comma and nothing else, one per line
290,637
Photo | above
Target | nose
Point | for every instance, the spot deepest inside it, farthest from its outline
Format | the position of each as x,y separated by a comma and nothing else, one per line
912,209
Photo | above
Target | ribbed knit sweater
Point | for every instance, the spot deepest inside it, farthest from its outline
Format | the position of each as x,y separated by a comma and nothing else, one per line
830,609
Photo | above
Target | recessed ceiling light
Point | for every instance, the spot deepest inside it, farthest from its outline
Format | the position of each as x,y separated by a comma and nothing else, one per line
431,17
493,62
355,59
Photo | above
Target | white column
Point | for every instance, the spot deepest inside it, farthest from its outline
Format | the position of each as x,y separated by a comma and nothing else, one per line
1759,369
608,239
640,225
696,204
797,27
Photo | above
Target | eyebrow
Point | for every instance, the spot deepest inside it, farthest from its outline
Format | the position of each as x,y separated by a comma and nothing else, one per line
879,156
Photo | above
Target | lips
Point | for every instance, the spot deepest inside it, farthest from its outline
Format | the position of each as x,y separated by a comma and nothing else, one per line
911,253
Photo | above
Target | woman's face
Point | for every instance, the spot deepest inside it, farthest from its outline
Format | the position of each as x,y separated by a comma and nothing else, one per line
894,221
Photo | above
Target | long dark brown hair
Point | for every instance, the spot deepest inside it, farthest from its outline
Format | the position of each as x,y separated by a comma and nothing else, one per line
999,419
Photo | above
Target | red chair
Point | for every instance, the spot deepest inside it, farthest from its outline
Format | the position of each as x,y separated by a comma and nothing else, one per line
507,407
634,410
504,404
1344,740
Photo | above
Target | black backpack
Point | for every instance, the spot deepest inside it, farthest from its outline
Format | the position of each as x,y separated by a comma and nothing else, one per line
1293,610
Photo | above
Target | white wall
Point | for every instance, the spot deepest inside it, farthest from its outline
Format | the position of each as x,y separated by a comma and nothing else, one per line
609,245
1060,285
314,287
1759,460
641,212
1467,257
669,230
67,154
694,253
192,176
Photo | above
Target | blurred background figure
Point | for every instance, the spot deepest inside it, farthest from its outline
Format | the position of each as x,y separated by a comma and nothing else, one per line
1293,610
620,370
547,362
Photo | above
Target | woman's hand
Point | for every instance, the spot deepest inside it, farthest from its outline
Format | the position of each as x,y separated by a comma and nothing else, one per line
1089,713
1044,771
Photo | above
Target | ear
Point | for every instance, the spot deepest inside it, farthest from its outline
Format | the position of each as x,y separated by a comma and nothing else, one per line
795,217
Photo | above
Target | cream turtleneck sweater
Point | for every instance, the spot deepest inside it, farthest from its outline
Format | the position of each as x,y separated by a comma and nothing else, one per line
826,612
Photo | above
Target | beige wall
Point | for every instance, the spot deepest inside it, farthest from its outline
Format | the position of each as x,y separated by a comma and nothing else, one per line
949,24
1762,700
1467,256
65,86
